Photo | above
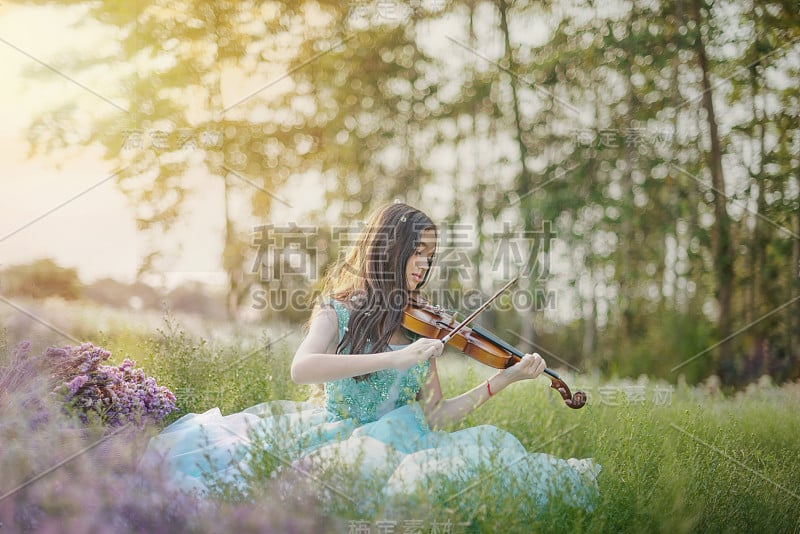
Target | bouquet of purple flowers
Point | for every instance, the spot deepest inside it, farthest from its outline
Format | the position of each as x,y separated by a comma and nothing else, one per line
118,395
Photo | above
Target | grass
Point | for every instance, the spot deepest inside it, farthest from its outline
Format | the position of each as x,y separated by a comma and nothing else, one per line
678,461
674,458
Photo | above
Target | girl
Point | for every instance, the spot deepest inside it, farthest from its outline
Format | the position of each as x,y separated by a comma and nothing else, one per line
371,289
383,405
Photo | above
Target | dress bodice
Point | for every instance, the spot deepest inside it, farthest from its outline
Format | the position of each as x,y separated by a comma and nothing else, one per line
380,392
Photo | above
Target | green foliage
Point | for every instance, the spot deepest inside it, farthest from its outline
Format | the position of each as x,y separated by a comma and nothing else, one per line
203,376
664,346
597,126
40,279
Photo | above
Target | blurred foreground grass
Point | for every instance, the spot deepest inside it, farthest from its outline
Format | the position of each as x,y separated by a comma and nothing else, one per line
675,458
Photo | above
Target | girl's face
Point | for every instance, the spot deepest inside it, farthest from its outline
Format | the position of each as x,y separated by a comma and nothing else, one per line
417,264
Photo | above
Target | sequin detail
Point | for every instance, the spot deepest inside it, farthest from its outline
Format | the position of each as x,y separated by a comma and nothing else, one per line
379,393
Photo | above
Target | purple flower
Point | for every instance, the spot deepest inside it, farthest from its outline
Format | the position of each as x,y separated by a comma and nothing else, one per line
23,349
77,383
53,352
117,394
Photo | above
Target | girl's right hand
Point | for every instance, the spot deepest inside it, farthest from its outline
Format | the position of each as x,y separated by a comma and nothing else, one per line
417,352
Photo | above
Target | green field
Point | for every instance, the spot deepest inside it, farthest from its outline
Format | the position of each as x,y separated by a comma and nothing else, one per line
675,458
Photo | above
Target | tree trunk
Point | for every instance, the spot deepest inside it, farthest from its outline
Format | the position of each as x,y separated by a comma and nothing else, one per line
524,181
720,234
626,268
231,260
590,332
758,252
793,318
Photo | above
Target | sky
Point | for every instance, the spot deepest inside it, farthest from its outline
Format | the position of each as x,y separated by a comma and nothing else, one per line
65,205
57,207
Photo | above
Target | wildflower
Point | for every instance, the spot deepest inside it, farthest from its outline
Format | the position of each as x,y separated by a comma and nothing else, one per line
117,394
76,383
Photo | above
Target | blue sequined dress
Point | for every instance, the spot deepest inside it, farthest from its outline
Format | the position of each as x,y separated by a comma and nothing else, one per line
376,428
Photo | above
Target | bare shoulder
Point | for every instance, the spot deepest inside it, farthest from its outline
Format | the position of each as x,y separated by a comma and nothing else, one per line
325,314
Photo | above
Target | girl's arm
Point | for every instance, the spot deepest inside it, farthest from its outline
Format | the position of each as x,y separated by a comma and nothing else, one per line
440,412
316,360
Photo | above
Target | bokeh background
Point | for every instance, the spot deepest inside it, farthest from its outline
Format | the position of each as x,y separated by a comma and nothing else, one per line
638,162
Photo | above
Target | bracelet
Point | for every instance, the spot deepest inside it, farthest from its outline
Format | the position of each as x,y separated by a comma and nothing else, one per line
489,389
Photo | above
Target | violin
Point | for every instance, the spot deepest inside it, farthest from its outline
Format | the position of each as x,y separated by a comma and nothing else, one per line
479,344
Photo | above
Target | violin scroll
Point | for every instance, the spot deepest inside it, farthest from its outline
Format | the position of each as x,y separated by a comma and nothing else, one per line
573,401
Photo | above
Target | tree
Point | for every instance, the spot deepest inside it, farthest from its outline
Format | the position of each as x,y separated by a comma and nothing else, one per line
41,279
174,124
764,147
721,245
179,124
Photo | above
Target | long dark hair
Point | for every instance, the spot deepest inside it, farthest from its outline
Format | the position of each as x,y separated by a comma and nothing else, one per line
371,280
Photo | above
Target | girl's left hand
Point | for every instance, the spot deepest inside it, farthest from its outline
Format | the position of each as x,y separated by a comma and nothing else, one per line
530,366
